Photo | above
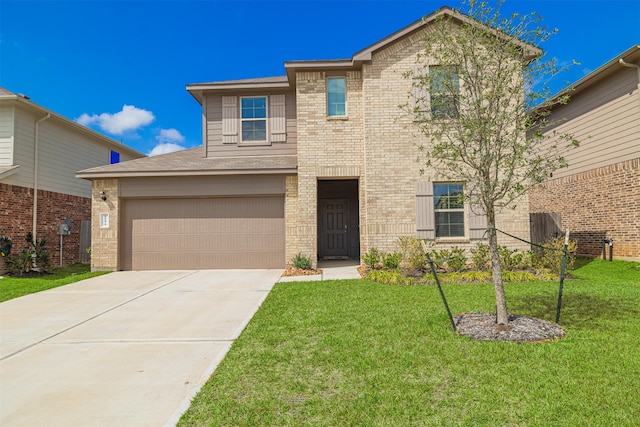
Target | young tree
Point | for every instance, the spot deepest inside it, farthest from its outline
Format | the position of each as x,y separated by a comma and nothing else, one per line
474,88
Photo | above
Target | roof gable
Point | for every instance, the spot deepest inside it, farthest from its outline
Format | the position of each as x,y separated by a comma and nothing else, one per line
355,62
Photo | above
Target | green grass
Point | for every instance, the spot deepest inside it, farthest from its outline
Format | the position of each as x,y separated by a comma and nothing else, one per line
360,353
14,287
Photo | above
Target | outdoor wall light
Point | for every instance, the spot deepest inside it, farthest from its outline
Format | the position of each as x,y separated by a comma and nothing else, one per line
103,195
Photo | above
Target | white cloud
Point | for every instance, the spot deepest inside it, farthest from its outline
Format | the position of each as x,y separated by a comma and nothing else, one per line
169,135
165,148
129,119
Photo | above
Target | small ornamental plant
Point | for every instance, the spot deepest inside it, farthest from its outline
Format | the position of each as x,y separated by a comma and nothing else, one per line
301,262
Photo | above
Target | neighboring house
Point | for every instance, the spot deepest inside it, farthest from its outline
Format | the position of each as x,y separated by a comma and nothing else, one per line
320,161
598,196
39,154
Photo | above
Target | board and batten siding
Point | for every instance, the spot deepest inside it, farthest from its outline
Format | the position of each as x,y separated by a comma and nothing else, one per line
222,136
202,186
62,151
606,120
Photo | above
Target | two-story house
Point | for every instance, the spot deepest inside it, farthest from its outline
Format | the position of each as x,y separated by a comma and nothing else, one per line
39,154
320,161
598,196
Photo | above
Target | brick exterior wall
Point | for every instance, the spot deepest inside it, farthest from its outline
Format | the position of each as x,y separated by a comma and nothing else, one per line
597,204
327,148
104,241
16,214
291,216
375,144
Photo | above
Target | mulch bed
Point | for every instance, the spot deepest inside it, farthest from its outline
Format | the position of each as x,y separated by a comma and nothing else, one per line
292,271
483,327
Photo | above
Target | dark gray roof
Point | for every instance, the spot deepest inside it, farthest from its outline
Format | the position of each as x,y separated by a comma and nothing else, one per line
193,162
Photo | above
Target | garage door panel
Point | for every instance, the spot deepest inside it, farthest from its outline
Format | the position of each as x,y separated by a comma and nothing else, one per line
239,232
209,242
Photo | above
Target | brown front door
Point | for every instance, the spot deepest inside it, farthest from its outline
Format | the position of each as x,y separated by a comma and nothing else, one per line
334,236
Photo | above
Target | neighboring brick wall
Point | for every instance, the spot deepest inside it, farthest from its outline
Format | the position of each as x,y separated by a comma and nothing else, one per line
16,214
597,204
104,241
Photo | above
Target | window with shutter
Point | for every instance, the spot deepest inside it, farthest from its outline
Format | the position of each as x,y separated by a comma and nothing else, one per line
419,93
425,221
277,120
229,119
253,114
444,92
477,222
448,208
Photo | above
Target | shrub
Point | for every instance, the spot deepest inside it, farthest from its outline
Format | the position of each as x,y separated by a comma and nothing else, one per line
34,257
507,261
457,261
372,258
552,258
18,263
301,262
413,256
439,257
389,277
480,256
391,260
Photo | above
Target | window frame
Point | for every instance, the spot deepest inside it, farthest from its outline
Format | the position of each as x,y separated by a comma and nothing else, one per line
264,119
462,210
114,157
437,112
344,94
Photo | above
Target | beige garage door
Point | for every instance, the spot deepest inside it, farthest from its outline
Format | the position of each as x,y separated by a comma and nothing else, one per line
223,232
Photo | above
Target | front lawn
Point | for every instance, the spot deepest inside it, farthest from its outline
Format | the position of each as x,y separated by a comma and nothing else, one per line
14,287
359,353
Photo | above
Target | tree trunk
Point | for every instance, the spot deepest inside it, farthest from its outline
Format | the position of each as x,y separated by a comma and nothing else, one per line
502,316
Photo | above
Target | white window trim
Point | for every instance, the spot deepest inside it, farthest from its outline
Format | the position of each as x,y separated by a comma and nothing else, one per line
242,142
346,111
429,95
465,217
424,107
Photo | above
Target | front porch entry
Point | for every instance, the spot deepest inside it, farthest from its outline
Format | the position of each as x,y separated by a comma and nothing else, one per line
338,219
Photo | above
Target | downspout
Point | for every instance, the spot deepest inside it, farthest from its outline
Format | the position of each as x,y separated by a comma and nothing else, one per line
35,175
630,65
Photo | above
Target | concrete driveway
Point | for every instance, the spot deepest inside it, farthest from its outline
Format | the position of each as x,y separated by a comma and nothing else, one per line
125,349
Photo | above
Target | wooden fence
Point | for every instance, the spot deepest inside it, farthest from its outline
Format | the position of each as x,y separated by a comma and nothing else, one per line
544,225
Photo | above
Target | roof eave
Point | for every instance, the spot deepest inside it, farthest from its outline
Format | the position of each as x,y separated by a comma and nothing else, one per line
196,90
205,172
631,54
9,171
21,100
367,53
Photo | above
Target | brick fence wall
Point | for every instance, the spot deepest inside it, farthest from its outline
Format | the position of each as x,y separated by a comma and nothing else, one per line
16,219
597,204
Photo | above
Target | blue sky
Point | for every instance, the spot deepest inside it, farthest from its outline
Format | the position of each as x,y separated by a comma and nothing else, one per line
121,67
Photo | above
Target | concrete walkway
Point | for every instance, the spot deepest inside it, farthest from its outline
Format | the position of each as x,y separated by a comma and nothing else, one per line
331,270
123,349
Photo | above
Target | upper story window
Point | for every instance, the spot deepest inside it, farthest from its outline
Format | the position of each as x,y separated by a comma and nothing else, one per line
449,209
254,118
444,92
336,96
114,157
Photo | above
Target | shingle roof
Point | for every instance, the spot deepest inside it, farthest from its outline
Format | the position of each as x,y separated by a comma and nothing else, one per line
193,162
